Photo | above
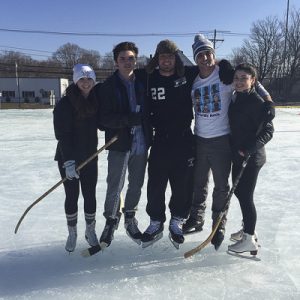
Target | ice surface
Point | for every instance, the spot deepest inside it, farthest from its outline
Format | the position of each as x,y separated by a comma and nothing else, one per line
34,264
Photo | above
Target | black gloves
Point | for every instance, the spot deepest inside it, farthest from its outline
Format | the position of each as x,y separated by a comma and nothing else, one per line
134,119
269,111
226,71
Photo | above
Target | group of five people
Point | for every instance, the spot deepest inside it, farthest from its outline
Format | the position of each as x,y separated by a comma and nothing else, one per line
153,108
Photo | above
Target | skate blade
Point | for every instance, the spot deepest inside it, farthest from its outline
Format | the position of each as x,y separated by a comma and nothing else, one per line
244,255
175,244
157,237
138,241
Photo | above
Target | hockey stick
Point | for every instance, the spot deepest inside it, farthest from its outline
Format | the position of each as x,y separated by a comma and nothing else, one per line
221,215
63,180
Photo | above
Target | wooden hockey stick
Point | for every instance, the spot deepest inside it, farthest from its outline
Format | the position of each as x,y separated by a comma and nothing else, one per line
63,180
221,215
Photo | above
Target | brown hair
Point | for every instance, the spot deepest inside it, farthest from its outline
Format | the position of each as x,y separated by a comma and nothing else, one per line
125,46
84,107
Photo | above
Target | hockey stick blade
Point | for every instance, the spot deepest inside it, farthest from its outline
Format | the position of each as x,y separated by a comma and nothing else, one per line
207,241
91,251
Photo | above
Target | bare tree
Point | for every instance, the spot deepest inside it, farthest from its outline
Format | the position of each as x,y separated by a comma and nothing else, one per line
263,48
293,47
108,61
71,54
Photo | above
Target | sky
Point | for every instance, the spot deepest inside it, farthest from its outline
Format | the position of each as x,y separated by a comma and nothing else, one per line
144,22
34,264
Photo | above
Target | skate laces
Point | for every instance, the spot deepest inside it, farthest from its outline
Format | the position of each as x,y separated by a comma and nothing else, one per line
153,227
131,226
176,225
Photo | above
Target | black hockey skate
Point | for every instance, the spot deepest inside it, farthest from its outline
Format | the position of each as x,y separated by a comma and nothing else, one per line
153,233
176,235
131,226
192,225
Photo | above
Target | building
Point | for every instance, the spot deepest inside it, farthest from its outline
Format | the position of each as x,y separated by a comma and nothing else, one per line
33,90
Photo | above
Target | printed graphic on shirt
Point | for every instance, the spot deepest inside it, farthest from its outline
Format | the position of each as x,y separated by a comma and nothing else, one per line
158,93
207,100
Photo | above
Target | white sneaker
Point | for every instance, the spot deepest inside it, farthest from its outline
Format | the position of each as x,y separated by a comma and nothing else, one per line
72,238
90,234
246,244
237,236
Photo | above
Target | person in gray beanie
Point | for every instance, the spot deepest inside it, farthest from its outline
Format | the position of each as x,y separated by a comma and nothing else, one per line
211,99
201,44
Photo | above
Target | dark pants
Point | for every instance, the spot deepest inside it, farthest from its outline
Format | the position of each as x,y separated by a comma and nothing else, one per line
174,163
88,181
213,155
244,192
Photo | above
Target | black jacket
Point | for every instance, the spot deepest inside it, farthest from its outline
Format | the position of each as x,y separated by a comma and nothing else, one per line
77,139
115,112
170,103
249,129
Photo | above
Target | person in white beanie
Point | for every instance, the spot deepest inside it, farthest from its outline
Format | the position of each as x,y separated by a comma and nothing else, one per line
213,151
75,119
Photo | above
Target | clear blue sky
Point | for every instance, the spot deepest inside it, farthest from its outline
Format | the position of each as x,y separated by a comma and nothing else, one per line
130,17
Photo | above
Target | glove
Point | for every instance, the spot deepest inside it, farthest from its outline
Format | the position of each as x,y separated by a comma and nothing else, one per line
226,71
269,111
70,170
134,119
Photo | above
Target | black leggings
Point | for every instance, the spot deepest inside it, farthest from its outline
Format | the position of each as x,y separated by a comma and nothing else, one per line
244,192
88,181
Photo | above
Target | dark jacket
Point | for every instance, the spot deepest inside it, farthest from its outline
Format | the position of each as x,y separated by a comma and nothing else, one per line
115,112
249,130
77,138
170,105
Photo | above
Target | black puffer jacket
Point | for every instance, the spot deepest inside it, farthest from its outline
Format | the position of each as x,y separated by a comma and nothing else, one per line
249,130
77,138
115,111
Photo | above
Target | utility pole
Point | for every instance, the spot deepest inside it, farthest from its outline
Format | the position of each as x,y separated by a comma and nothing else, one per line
286,33
18,84
214,40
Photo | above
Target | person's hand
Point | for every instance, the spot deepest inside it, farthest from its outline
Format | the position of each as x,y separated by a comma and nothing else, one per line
226,71
134,119
70,169
269,111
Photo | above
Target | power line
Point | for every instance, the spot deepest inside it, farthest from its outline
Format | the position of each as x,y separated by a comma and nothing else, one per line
171,34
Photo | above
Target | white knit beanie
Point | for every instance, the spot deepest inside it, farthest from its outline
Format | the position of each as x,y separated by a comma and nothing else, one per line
83,71
201,44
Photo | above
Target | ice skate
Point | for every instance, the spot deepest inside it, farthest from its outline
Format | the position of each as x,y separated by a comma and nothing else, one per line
192,225
237,236
90,234
246,244
131,226
72,238
218,238
108,232
153,233
176,235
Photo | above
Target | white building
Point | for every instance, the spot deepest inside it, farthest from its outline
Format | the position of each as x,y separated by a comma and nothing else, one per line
39,90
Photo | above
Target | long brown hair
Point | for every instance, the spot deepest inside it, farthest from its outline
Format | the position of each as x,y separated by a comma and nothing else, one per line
84,107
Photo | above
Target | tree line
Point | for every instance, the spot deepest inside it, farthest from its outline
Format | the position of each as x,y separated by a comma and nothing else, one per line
274,48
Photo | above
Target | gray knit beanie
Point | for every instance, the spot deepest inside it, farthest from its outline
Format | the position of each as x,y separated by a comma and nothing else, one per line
201,44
